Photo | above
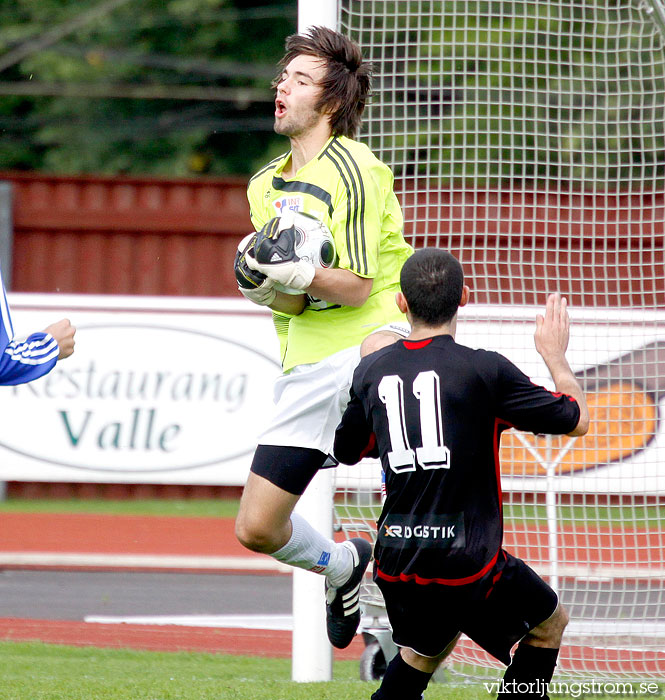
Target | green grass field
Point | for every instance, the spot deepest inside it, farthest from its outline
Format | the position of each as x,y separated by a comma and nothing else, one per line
640,517
34,671
619,517
210,508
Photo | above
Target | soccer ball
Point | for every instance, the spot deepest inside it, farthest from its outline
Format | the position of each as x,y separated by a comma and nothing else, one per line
313,242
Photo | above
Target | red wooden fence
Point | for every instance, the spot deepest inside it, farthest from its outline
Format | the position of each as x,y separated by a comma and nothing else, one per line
120,235
108,235
600,249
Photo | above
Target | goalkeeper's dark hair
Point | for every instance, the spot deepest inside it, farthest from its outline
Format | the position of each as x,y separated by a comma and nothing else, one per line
432,281
347,83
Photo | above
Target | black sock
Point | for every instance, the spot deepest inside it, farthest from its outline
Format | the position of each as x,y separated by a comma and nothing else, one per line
529,673
402,682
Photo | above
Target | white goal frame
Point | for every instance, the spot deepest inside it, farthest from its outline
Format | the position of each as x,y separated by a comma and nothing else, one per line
311,658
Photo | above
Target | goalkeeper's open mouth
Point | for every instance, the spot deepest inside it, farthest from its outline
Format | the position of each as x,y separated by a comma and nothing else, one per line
280,108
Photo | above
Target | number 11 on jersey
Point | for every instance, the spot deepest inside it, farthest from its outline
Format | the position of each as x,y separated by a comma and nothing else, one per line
433,454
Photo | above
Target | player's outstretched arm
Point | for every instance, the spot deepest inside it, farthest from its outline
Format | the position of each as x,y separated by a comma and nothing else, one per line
23,361
551,340
63,332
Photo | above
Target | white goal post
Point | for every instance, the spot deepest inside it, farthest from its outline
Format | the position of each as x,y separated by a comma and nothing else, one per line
311,653
528,137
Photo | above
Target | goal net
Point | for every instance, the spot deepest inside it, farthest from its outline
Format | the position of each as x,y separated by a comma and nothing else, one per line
529,139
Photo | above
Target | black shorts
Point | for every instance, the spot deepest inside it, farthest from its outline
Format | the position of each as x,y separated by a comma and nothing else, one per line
495,612
290,468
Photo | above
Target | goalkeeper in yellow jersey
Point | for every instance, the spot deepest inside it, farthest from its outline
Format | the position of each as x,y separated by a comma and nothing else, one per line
321,93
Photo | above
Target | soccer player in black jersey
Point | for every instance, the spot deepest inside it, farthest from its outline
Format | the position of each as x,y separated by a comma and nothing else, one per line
434,412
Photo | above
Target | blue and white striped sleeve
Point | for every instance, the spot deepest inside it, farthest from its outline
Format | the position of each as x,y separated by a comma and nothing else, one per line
23,361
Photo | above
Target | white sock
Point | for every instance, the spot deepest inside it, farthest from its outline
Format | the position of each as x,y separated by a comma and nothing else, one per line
309,549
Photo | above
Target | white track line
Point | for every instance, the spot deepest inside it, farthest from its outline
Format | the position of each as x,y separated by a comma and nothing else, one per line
610,629
267,564
142,561
254,622
601,572
616,628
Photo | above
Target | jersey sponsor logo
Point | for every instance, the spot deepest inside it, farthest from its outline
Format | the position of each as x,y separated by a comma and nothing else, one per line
295,186
292,203
441,531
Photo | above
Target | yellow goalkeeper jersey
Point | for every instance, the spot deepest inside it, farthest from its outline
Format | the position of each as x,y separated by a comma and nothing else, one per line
348,188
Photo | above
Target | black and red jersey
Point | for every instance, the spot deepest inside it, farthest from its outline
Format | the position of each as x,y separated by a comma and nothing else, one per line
435,411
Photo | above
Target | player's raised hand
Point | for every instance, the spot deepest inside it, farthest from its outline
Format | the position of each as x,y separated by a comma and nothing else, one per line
553,329
551,339
63,332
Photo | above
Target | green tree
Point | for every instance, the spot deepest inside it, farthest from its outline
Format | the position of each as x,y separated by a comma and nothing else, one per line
551,90
168,87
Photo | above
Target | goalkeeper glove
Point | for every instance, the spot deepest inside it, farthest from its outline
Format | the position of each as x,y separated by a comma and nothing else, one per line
253,285
274,255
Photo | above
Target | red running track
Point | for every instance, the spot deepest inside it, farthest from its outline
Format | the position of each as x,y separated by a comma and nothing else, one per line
117,534
153,535
160,638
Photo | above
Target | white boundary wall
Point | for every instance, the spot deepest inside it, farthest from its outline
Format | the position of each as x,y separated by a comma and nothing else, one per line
151,380
176,390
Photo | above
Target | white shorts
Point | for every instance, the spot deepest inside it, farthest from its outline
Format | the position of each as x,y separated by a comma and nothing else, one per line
310,401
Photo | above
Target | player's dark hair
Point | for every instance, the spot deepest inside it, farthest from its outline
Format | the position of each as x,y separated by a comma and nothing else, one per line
432,280
347,82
